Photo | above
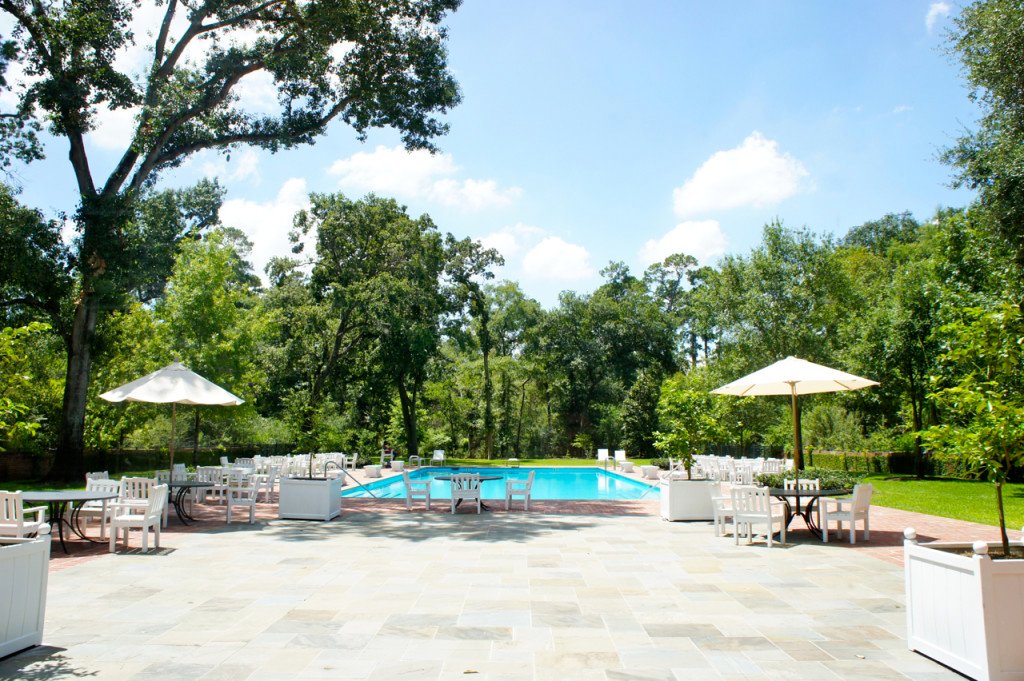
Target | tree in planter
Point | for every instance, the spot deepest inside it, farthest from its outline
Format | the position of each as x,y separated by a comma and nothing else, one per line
686,414
371,63
981,391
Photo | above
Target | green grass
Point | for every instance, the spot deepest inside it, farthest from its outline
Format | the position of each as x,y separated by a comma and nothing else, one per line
949,498
32,485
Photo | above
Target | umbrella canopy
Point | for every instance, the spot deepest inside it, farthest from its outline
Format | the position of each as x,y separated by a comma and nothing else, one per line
174,384
794,376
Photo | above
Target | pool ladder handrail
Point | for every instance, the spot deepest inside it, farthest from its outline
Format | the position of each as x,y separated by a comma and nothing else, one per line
354,479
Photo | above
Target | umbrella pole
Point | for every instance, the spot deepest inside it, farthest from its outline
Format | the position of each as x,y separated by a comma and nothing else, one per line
171,448
797,454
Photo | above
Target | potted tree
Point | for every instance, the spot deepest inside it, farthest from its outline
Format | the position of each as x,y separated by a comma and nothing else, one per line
964,600
24,567
686,421
311,497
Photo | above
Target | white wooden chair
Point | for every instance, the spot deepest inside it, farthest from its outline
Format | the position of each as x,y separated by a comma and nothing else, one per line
97,475
438,458
224,461
135,493
751,506
211,474
802,483
241,491
101,510
519,488
416,489
266,483
848,510
386,458
466,486
144,519
12,517
602,457
413,462
351,461
721,508
620,458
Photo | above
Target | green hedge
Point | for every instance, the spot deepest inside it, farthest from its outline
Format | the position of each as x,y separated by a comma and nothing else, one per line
934,465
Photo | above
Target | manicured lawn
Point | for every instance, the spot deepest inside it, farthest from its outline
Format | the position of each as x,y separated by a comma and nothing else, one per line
960,499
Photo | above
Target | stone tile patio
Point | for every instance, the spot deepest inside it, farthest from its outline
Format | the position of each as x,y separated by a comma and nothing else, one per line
563,592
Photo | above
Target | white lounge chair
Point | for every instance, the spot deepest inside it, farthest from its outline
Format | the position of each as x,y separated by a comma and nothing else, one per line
466,486
416,489
751,506
438,458
602,457
620,460
519,488
145,519
849,510
12,517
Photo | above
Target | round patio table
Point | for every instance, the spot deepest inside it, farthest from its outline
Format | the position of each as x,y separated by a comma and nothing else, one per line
178,498
483,478
60,500
806,511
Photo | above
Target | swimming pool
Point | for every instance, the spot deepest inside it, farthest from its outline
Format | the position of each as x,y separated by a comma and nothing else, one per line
585,484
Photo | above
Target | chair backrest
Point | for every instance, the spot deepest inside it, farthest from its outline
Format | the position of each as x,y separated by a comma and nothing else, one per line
162,476
97,475
602,455
179,472
862,496
529,480
620,454
463,483
99,485
10,508
224,461
246,462
438,455
137,488
214,474
750,499
157,499
802,483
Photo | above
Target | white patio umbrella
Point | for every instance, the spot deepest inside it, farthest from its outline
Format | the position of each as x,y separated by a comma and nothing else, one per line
793,376
175,384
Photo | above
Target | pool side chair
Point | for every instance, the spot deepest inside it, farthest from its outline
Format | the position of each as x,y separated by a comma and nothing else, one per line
620,457
466,486
101,510
849,510
602,457
721,508
438,458
413,462
12,517
242,491
519,488
145,519
751,506
416,489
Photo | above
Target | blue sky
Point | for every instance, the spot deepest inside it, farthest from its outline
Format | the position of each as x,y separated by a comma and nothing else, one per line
596,131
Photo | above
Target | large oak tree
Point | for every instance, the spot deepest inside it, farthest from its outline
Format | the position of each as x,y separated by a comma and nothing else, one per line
370,63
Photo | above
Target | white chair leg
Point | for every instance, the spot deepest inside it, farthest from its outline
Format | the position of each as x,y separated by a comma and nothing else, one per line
145,537
113,539
252,513
453,505
157,536
867,529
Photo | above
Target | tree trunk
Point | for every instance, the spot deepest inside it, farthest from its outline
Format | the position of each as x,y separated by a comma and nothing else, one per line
69,461
485,348
519,424
1002,520
408,400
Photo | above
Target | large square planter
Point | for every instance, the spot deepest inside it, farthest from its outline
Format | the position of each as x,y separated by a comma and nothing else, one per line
687,499
966,612
24,567
310,498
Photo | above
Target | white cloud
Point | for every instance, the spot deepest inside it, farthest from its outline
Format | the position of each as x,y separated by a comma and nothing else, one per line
753,174
703,239
510,241
556,259
902,108
244,165
267,223
419,175
114,128
936,12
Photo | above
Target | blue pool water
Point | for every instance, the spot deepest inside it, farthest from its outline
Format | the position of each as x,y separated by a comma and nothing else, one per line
586,484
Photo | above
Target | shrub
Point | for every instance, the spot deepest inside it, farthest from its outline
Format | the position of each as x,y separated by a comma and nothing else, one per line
829,479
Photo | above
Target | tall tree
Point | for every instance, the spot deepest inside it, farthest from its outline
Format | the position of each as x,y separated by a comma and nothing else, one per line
370,63
988,39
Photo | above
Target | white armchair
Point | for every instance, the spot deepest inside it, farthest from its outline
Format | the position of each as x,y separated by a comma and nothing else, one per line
416,489
848,510
466,486
438,458
751,506
101,510
12,517
519,488
241,491
145,519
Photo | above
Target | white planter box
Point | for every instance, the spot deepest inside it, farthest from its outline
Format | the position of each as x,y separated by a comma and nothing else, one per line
310,498
687,499
966,612
24,567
